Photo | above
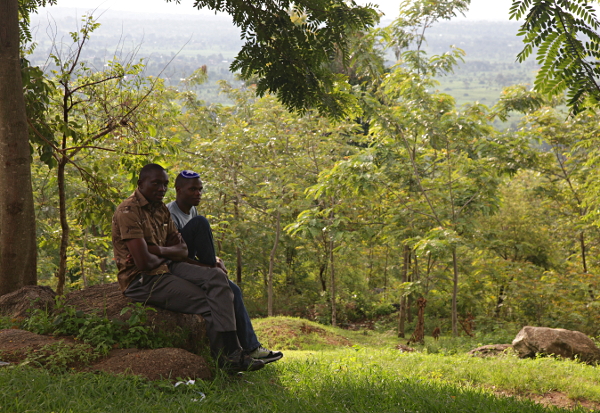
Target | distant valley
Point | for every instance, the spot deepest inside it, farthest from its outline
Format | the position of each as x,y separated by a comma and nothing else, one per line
172,46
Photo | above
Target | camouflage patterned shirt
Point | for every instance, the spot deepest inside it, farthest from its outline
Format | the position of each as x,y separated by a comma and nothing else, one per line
135,217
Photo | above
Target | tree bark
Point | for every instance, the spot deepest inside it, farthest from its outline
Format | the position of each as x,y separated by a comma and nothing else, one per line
82,261
64,226
454,295
322,276
236,214
333,300
583,256
402,316
271,264
238,265
18,252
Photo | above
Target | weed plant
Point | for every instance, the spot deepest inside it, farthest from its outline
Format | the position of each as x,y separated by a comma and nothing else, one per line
60,357
99,331
8,322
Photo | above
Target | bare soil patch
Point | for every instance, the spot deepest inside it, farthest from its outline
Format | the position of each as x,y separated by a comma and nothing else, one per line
20,340
162,363
555,398
296,334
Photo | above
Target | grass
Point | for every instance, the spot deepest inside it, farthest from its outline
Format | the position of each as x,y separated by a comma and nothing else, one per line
335,381
332,370
444,361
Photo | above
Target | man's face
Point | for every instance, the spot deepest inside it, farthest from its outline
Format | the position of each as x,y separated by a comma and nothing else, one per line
190,192
154,186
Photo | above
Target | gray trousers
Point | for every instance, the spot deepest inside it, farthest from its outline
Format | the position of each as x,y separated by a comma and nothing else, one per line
190,289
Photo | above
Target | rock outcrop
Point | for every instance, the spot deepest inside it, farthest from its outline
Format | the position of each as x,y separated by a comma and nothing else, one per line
490,350
532,341
18,303
107,300
156,364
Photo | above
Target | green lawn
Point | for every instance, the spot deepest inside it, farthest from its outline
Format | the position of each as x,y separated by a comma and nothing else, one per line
347,380
330,370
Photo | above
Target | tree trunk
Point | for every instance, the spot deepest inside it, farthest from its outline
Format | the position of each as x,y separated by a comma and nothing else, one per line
18,251
271,264
583,256
454,295
238,265
82,261
64,226
385,268
322,276
402,316
333,310
409,315
236,214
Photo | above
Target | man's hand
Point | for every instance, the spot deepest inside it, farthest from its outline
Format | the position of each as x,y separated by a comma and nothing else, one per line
174,238
141,255
174,249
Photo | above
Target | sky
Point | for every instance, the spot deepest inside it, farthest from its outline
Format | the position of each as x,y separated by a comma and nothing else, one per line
495,10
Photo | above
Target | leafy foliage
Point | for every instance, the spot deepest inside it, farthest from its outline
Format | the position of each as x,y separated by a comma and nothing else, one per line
60,357
288,45
98,331
565,33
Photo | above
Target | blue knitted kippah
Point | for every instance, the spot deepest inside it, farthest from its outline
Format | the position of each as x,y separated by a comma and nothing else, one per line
189,174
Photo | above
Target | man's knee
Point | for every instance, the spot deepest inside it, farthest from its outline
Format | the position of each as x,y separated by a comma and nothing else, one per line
199,223
169,292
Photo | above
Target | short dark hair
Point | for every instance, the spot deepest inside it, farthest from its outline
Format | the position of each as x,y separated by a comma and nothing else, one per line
148,168
180,180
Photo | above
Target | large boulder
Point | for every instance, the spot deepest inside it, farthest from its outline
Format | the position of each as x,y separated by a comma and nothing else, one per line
18,303
555,341
108,300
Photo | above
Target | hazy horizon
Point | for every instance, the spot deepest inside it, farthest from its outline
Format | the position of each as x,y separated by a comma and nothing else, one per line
479,9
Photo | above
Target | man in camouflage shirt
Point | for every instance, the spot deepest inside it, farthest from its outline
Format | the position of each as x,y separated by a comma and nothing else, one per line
152,260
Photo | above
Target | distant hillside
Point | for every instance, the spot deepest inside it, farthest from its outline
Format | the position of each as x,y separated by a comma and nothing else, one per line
193,40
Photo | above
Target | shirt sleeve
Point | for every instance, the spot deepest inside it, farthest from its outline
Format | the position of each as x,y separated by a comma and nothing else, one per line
128,223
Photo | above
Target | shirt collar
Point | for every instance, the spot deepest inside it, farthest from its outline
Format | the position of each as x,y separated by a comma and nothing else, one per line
141,198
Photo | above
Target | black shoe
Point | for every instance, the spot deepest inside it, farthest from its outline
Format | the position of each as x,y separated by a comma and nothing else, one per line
265,355
238,361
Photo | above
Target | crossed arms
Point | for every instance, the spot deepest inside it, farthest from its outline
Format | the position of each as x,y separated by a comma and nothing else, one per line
148,257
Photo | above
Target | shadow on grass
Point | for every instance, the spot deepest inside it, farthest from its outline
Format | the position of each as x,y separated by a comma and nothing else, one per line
294,386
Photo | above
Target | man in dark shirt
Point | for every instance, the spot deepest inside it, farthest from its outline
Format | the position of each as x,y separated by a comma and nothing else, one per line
151,257
198,237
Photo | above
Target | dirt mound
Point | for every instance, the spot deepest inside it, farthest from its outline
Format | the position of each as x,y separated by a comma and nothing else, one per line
188,331
104,299
287,333
17,303
108,300
21,340
161,363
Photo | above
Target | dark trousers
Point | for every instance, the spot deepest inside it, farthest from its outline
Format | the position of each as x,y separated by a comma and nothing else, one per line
190,289
198,237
